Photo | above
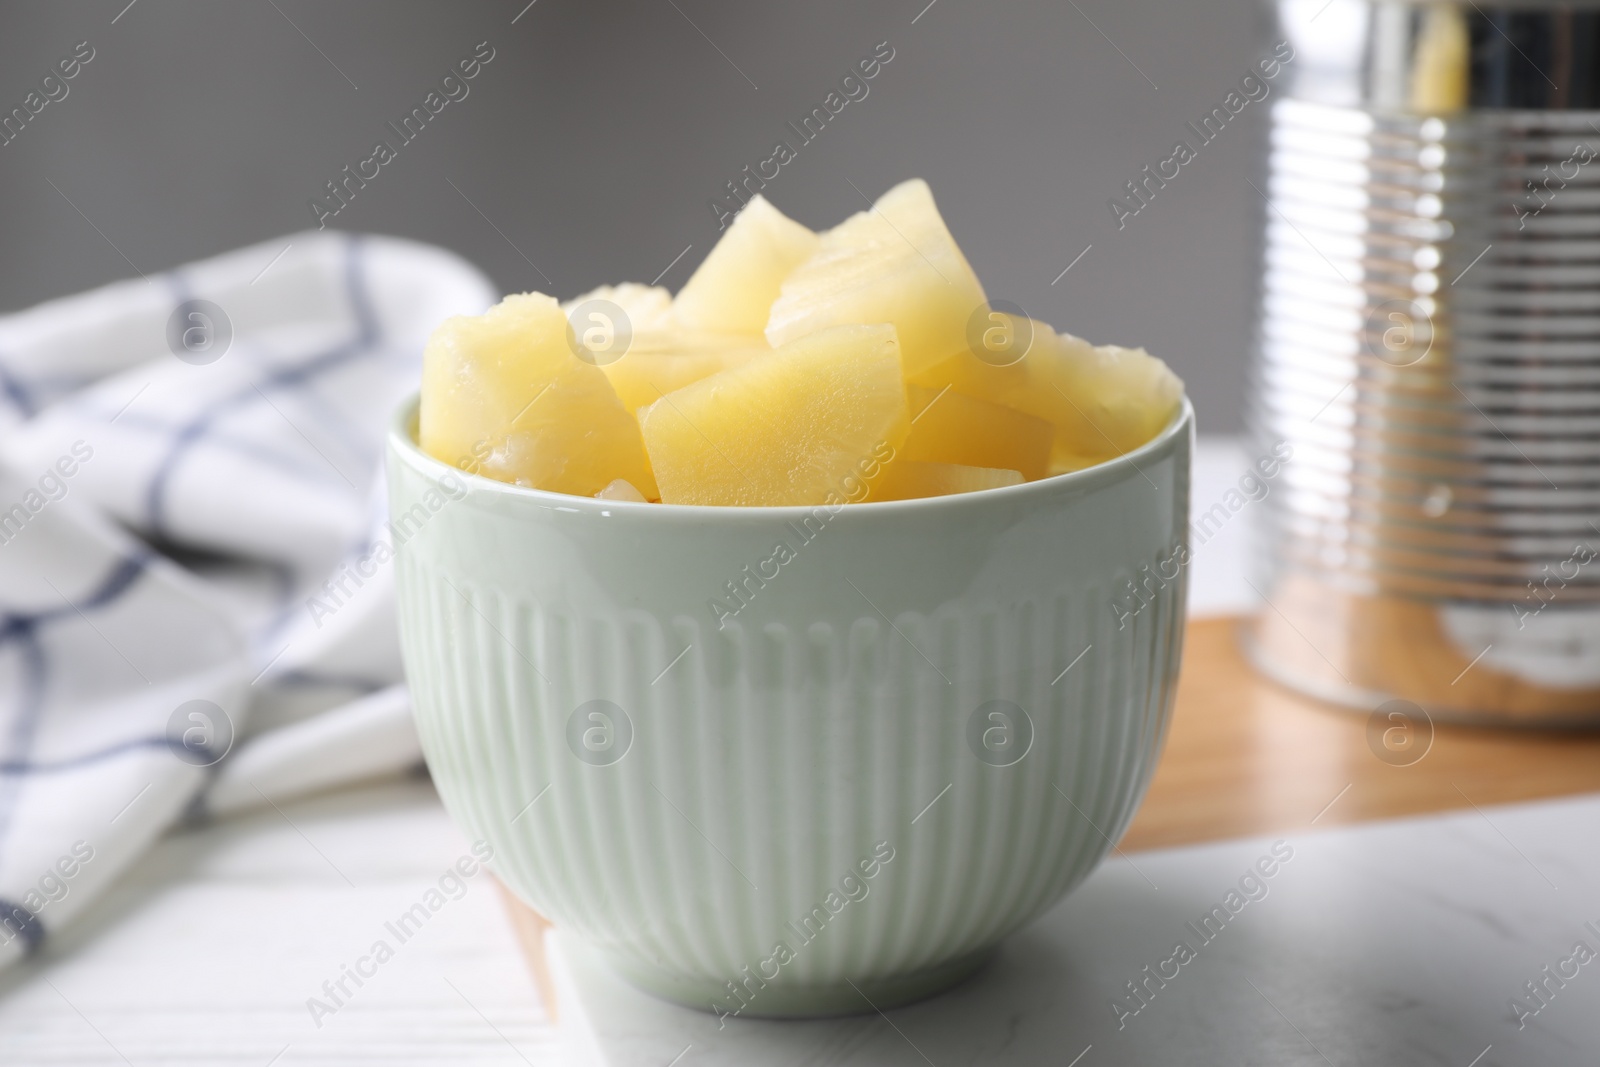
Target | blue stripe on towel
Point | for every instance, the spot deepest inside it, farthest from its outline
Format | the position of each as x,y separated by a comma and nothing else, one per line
13,389
17,920
23,629
303,679
367,336
242,447
24,767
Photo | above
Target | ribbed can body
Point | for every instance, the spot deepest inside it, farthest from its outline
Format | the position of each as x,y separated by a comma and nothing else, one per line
1429,347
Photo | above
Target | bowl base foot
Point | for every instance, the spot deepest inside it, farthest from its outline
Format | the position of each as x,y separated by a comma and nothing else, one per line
786,1000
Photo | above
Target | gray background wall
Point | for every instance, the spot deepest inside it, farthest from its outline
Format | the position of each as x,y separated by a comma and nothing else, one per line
600,130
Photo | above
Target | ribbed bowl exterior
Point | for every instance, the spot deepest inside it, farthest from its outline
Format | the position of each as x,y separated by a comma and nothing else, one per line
759,762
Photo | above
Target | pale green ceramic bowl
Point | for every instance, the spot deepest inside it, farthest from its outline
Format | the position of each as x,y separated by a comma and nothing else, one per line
926,721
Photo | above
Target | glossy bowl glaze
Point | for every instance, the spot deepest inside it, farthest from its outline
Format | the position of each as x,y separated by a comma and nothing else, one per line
794,761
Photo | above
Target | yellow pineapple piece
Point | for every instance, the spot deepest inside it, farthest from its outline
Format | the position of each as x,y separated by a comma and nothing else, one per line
1103,401
504,396
907,479
895,263
802,425
733,288
664,360
645,305
621,489
952,427
604,322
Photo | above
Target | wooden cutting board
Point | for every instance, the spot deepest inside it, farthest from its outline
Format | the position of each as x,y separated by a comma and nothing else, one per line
1244,756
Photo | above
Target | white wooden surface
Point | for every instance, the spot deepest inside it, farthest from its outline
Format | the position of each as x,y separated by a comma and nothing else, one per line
208,950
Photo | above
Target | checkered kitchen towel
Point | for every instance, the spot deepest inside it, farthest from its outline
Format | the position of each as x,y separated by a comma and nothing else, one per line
185,462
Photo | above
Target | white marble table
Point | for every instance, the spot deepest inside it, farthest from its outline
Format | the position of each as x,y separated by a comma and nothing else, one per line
1392,943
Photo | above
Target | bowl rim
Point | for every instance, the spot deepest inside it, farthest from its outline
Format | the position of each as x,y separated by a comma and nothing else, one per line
402,444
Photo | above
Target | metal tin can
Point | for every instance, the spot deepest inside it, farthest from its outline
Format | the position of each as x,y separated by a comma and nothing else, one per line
1428,350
